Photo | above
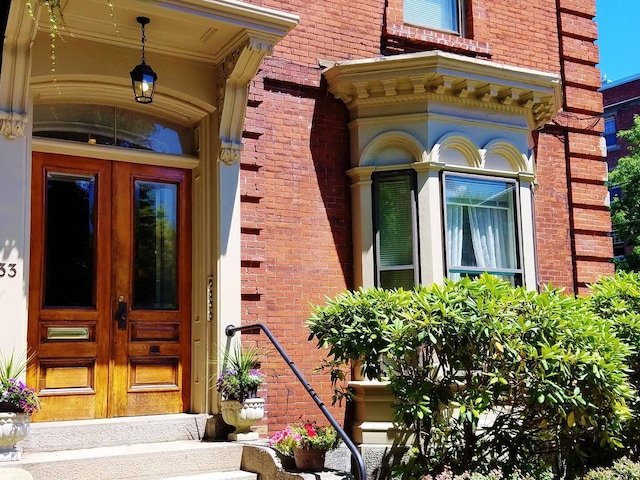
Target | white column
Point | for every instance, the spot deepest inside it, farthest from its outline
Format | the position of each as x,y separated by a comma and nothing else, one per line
432,264
229,239
15,181
15,178
528,235
362,221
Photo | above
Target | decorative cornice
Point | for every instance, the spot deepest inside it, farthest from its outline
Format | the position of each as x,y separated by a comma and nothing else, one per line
446,77
238,69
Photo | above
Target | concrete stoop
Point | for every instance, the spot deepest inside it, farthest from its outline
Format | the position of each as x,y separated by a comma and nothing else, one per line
149,461
107,432
159,447
163,447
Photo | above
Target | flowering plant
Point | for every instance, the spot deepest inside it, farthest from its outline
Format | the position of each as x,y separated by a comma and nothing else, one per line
306,436
19,397
15,396
241,379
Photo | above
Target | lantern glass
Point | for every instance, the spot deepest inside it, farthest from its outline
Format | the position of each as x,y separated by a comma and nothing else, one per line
143,81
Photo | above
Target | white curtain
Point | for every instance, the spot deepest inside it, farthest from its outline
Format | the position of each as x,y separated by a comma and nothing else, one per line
490,234
455,236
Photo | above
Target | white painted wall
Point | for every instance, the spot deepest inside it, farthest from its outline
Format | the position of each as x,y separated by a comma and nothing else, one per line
15,178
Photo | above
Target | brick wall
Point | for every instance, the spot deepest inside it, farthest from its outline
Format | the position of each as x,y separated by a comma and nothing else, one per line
295,201
299,249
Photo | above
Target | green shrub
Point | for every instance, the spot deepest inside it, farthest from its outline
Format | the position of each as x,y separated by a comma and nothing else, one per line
623,469
488,376
617,298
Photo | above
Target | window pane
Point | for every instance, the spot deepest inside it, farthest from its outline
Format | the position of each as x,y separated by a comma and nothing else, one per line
395,229
514,279
155,246
395,221
438,14
609,125
106,125
397,279
481,223
69,241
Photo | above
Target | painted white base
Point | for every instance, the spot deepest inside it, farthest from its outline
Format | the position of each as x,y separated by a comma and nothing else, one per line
11,453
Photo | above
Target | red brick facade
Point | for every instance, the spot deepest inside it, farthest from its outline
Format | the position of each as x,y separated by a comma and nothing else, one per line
297,235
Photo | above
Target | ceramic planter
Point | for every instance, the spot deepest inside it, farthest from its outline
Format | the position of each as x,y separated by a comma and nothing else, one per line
309,459
243,415
13,428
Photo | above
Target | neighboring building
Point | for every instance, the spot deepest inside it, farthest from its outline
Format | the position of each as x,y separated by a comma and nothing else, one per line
293,150
621,101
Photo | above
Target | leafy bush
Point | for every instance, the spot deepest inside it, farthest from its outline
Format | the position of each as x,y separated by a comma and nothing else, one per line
488,376
623,469
617,298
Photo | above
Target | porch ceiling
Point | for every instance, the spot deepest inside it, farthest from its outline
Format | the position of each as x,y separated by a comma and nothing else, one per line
202,30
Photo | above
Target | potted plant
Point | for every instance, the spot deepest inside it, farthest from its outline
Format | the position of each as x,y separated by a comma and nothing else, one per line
17,403
307,443
238,384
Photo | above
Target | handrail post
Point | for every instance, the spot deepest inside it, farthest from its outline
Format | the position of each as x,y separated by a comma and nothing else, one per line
230,331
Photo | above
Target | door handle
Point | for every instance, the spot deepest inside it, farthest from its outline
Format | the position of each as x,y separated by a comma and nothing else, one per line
121,314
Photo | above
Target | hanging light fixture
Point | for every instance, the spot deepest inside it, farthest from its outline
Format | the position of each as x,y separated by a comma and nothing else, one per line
143,78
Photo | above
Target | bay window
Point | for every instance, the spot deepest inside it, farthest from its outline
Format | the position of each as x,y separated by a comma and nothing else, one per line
481,227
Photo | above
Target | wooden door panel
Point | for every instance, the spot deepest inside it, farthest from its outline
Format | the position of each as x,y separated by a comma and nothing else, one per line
85,365
70,370
155,346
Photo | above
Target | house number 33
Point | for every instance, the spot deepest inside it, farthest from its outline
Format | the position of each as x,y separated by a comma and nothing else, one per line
8,270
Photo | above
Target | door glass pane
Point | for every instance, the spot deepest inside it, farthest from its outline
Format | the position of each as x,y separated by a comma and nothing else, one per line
155,271
70,241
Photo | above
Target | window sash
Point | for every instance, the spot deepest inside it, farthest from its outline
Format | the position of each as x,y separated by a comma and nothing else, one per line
436,14
395,229
481,227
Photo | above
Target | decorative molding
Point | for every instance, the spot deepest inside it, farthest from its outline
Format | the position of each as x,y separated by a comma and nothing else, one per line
12,125
457,141
230,152
507,150
445,77
16,69
392,139
167,103
238,69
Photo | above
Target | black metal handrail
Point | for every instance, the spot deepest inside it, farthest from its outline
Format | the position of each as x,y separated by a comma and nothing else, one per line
230,331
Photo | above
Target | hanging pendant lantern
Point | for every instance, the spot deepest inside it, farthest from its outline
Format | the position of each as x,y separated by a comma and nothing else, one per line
143,78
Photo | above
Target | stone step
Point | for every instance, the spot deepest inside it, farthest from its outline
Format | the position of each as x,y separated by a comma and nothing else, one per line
238,475
107,432
149,461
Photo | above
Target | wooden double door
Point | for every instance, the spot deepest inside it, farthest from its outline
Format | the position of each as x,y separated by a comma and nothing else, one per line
109,300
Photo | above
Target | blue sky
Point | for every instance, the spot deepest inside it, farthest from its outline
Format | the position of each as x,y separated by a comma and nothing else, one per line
618,32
